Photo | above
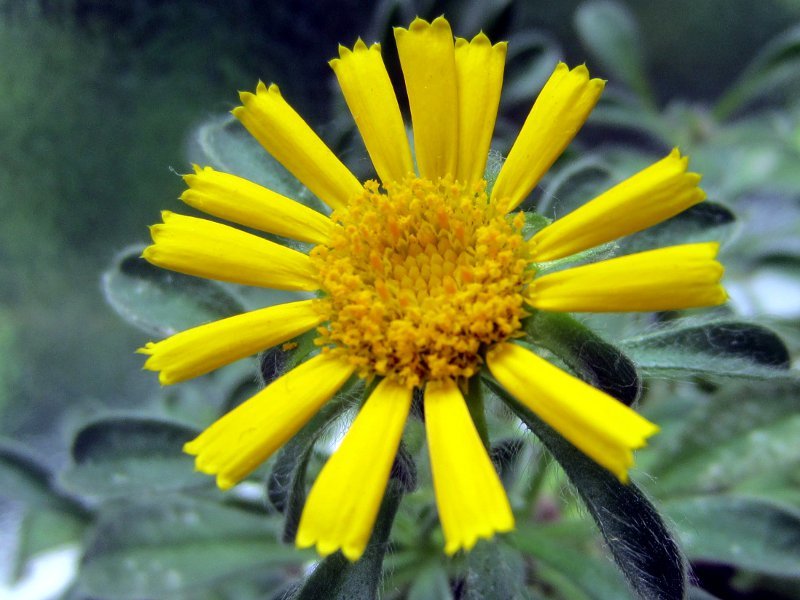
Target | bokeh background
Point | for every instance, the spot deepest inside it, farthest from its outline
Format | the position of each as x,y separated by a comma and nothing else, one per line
100,105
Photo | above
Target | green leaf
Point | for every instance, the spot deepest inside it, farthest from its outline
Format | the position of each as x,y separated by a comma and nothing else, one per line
570,561
724,348
775,70
45,529
155,550
336,578
24,478
727,439
131,455
749,533
531,58
704,222
161,302
639,540
594,360
609,32
574,185
224,144
430,584
494,571
619,109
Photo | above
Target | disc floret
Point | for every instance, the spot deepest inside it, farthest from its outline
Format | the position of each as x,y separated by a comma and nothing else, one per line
419,278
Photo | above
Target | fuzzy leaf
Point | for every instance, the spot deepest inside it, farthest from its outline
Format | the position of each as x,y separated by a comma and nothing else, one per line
725,347
609,31
156,550
639,540
494,571
161,302
123,456
530,61
224,144
594,360
725,440
774,71
573,186
23,478
430,584
45,529
565,559
749,533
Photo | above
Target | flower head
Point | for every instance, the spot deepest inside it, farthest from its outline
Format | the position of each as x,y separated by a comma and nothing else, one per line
424,277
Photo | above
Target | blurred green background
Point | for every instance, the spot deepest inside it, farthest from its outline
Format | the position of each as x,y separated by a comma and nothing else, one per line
98,102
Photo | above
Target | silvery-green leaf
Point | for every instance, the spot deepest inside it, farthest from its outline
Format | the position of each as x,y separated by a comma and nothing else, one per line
609,31
565,560
532,56
431,583
224,144
723,440
750,533
179,544
495,570
727,348
43,530
162,302
774,71
620,109
24,478
124,456
574,185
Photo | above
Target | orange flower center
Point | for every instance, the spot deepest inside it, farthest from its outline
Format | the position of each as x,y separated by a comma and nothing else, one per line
419,278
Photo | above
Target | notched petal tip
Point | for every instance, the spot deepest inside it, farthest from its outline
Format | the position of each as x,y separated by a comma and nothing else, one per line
481,39
581,71
352,553
440,23
418,24
149,349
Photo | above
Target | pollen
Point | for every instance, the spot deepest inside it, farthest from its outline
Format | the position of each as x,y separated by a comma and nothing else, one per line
419,278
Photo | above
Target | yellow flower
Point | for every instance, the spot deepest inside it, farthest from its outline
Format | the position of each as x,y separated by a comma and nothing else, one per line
423,277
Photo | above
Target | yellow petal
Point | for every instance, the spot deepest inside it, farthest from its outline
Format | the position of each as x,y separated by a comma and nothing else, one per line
202,349
558,113
241,201
343,503
653,195
479,69
471,500
601,427
427,56
287,137
248,435
370,96
207,249
671,278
